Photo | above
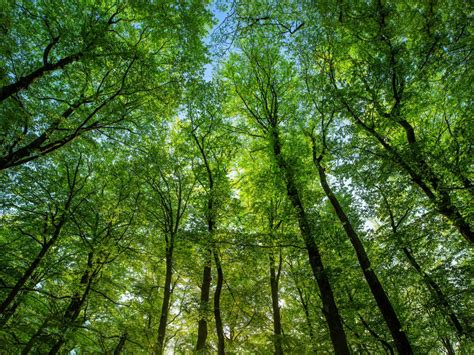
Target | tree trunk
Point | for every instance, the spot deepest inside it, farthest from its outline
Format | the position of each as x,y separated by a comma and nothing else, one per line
166,297
277,330
121,344
330,310
304,304
204,303
26,350
4,307
382,341
217,307
206,282
372,332
75,306
436,291
443,202
449,347
381,298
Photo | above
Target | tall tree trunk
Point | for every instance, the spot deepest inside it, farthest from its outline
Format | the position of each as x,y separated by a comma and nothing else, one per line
204,302
449,347
433,287
372,332
10,311
442,201
166,296
330,310
437,293
75,306
217,307
304,303
5,312
121,344
381,298
206,282
26,350
274,284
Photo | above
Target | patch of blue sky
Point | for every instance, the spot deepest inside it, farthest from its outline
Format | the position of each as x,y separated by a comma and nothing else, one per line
219,15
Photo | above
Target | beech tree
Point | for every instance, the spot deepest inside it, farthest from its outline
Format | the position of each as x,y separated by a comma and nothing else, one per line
236,177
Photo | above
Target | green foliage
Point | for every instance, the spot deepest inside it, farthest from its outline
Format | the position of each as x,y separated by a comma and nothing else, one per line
121,162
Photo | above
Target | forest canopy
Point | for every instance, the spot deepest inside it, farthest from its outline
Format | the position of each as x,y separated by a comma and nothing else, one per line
236,177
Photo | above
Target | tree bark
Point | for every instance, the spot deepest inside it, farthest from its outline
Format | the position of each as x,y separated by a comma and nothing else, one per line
388,312
442,201
204,302
121,344
25,81
449,347
31,269
26,350
433,287
330,310
384,343
217,307
274,285
304,304
372,332
166,296
75,306
439,196
437,293
206,283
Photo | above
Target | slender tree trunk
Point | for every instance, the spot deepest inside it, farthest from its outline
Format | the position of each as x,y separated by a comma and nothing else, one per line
277,330
121,344
10,311
436,291
204,302
166,296
442,202
381,298
449,347
433,287
309,324
372,332
26,350
217,307
4,307
206,282
330,310
422,174
75,306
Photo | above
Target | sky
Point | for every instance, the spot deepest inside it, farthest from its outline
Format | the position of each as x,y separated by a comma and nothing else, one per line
219,16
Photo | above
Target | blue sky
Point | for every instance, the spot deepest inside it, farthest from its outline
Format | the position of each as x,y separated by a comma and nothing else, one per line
219,16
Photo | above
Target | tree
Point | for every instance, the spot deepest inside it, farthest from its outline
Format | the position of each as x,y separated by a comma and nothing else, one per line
83,70
271,83
56,208
206,119
242,177
171,186
381,85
